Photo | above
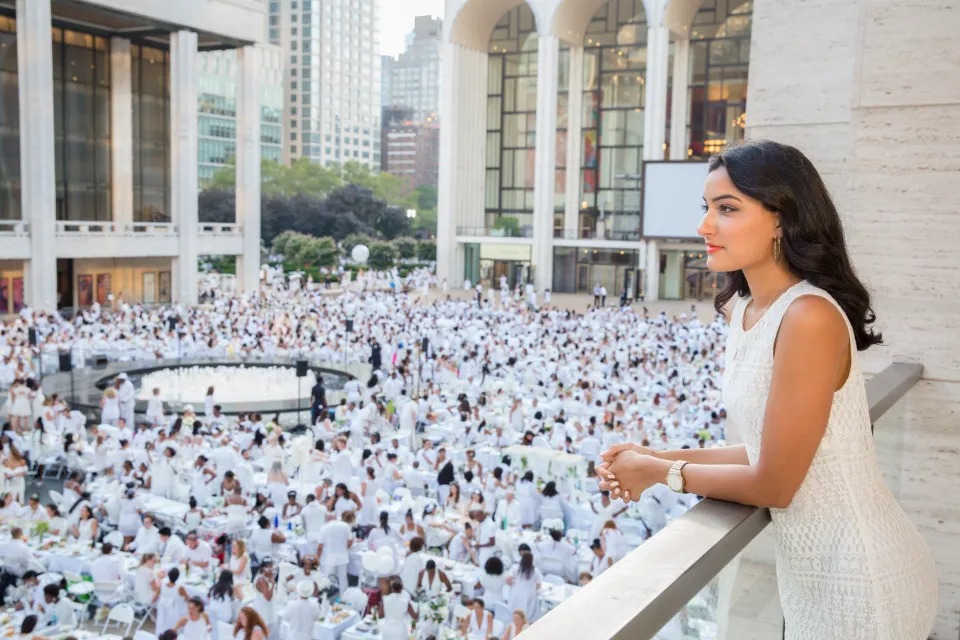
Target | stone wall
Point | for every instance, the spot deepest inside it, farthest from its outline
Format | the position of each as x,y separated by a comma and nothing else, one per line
870,90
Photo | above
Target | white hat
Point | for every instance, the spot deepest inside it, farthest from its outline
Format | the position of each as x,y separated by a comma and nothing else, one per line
188,407
305,589
123,376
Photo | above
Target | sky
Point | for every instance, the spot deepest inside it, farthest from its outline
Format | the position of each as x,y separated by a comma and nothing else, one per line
396,21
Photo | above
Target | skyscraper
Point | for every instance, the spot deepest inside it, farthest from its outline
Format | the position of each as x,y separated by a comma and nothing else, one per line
332,101
413,79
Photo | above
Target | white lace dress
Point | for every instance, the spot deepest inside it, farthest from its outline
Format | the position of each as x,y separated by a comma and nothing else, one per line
850,565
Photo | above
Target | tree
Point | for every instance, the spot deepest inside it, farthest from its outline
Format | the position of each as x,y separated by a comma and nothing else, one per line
509,224
426,197
406,247
319,252
392,223
281,243
353,240
426,222
382,256
216,205
427,250
301,177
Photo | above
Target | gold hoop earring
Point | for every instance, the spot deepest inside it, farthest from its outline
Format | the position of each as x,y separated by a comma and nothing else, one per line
777,249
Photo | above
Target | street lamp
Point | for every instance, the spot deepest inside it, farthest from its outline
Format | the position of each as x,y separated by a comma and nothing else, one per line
411,213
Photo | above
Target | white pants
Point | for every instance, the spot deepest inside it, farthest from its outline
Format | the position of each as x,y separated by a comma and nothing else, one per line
339,570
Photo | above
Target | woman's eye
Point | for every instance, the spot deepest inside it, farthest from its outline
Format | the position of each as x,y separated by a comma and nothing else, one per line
703,208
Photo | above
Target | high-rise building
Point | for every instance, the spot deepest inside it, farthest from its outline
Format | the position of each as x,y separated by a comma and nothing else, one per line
332,92
411,149
413,79
217,109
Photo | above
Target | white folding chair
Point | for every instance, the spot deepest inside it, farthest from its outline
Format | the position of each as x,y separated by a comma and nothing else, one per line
497,628
501,612
224,630
120,615
552,578
55,497
108,592
145,635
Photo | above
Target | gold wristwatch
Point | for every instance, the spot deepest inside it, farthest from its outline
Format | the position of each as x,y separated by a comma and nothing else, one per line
675,476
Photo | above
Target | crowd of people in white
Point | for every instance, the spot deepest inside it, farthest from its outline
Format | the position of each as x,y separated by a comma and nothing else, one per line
448,494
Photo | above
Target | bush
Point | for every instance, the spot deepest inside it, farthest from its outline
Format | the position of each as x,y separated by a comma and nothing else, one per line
427,250
509,224
353,240
382,256
406,247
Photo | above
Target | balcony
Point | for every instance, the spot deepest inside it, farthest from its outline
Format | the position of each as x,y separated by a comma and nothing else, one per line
14,239
633,235
219,238
108,239
664,580
525,231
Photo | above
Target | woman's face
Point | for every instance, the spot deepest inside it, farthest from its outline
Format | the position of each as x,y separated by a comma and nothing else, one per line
738,230
518,619
193,609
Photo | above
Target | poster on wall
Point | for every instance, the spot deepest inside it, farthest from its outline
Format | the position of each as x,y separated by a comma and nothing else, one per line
84,291
104,282
164,287
17,294
149,287
589,162
4,295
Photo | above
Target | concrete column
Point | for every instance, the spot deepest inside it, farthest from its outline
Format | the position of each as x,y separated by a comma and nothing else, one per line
548,63
655,103
121,131
571,210
652,274
448,173
248,166
679,102
183,157
37,154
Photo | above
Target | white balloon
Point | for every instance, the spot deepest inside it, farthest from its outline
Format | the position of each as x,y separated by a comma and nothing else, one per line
385,551
360,253
371,562
386,565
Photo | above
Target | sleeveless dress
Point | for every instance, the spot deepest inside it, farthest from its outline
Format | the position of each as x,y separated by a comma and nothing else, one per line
850,565
170,607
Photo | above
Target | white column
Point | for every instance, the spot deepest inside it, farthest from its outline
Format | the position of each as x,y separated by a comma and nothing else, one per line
652,274
183,160
248,166
121,131
679,101
548,62
37,176
571,210
655,103
449,148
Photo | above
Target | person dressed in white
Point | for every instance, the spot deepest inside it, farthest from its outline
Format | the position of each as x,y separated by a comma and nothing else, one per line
223,601
196,624
264,588
302,612
794,388
396,606
519,619
171,603
524,581
107,567
336,538
478,625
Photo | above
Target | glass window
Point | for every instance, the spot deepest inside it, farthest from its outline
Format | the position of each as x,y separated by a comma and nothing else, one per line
151,122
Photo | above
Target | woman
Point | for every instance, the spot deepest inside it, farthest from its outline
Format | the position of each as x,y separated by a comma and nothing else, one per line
131,509
87,528
433,581
413,564
109,407
196,624
478,625
264,541
793,387
394,609
10,509
368,489
492,579
519,624
209,402
224,598
524,581
410,529
343,500
146,584
15,472
529,499
239,563
249,626
194,516
171,602
264,588
20,409
277,483
614,544
56,523
551,505
382,534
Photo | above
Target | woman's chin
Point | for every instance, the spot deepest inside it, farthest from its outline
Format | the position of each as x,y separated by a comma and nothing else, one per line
717,264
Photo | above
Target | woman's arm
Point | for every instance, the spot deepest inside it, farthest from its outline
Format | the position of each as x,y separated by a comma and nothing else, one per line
811,361
734,454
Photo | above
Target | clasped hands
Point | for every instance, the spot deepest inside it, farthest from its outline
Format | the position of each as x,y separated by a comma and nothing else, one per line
630,469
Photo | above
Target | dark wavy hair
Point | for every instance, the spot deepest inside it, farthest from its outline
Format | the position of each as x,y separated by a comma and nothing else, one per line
786,183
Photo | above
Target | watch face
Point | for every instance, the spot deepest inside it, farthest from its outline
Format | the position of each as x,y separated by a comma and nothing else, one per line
674,482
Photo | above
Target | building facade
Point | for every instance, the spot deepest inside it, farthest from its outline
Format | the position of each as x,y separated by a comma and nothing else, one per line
410,149
332,92
412,80
550,111
98,186
217,108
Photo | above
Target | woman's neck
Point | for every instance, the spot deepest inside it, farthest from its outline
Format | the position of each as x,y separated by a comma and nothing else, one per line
767,282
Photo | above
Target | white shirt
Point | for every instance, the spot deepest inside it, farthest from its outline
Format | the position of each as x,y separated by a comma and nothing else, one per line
146,541
202,554
301,614
335,537
106,568
174,552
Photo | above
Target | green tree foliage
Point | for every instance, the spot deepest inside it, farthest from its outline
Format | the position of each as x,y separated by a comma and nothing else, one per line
382,256
427,250
406,247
